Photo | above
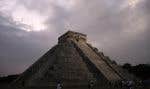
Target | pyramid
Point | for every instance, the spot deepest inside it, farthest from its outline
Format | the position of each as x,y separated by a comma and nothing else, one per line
74,62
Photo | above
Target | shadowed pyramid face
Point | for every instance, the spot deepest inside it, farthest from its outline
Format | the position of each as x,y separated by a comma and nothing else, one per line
72,62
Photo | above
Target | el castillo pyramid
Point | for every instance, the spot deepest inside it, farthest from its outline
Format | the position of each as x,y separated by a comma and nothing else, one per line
74,62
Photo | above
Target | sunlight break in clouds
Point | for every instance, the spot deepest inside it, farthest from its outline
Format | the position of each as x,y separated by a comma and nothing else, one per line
132,3
31,18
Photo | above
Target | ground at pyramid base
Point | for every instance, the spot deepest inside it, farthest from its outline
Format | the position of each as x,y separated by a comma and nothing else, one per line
74,64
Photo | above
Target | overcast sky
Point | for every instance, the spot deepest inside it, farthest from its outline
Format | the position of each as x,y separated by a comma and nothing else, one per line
29,28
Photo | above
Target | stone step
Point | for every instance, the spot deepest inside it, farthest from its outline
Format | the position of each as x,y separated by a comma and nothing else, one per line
99,63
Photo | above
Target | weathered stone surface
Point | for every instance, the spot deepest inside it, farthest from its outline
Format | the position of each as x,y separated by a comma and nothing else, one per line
74,63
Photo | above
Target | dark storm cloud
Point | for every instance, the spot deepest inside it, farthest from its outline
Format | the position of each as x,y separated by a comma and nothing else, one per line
19,48
121,32
117,29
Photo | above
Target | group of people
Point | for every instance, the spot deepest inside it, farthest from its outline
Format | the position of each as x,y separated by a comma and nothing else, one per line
90,85
125,84
129,84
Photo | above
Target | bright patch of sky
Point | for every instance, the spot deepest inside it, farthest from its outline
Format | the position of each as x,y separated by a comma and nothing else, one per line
131,3
67,4
33,20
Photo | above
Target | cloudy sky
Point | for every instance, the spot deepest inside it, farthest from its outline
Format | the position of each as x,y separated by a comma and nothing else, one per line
28,28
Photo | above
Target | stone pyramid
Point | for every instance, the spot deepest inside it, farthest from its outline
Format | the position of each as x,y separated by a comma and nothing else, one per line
74,62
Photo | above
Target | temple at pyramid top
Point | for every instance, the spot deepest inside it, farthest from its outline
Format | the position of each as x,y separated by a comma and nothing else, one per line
71,35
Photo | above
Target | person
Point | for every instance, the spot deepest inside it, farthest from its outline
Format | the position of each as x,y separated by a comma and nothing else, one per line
130,84
59,85
139,83
123,83
91,84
